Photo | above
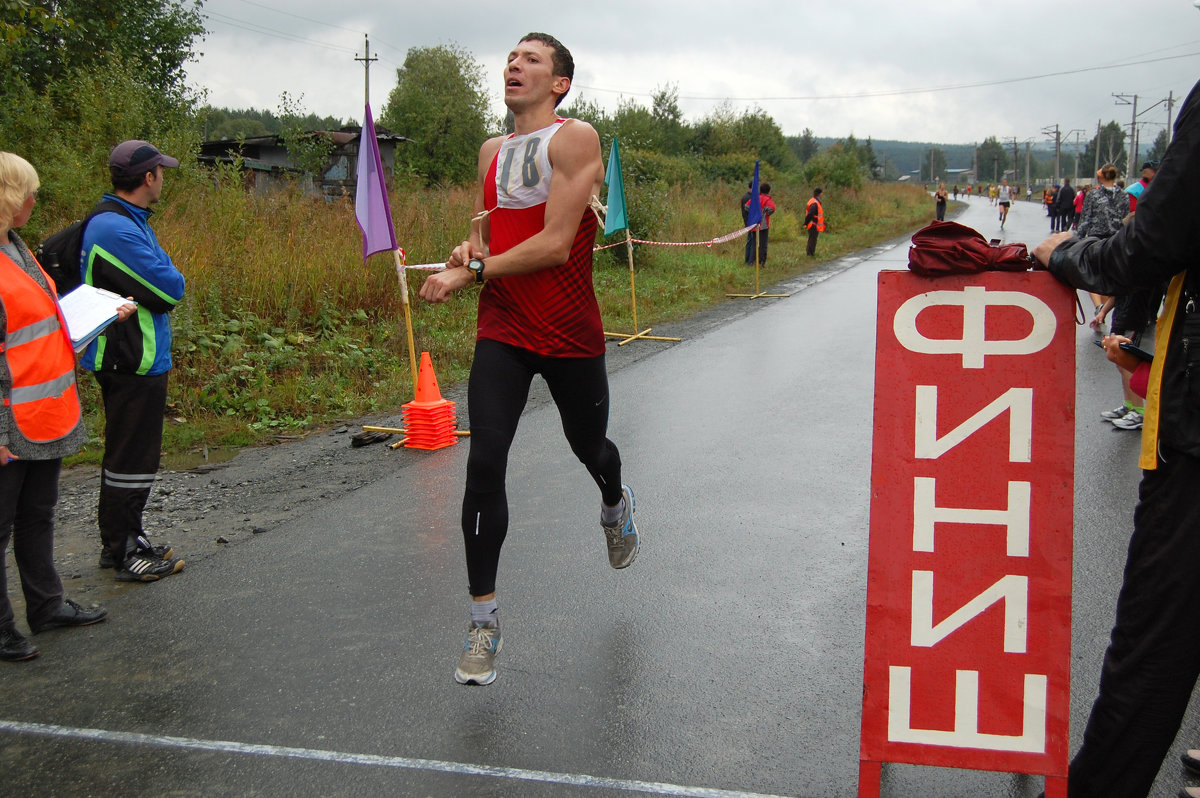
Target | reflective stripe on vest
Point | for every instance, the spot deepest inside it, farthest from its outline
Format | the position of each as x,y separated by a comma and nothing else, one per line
820,222
43,398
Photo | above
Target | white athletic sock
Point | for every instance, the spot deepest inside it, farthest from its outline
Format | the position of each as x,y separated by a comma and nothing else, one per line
485,613
611,515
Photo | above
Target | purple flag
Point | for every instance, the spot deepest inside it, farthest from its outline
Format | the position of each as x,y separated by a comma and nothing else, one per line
371,206
756,214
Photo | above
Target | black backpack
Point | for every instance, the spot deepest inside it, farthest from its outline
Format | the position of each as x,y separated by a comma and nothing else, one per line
60,253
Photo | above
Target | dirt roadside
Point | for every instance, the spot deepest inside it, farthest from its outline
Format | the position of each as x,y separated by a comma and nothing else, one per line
206,511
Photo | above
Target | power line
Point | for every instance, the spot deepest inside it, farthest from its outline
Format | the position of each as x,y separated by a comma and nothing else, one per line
213,16
317,21
299,16
900,92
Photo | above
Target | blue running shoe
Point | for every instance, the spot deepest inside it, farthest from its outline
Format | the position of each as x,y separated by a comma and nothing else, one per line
622,537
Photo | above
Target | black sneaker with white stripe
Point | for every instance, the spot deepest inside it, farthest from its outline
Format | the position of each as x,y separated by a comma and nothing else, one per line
143,566
163,552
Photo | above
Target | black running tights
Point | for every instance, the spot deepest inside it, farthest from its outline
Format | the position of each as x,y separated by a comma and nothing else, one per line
496,395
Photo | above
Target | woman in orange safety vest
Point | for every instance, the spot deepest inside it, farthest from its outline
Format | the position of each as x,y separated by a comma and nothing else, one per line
40,421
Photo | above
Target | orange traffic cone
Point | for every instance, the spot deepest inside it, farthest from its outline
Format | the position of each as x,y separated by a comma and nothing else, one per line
429,419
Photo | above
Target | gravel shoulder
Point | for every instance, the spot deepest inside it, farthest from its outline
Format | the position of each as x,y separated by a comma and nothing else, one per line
206,511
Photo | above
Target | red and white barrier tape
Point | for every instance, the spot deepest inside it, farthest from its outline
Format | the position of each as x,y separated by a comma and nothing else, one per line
432,267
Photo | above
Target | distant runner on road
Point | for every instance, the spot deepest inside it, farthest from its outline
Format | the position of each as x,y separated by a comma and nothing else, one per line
1004,195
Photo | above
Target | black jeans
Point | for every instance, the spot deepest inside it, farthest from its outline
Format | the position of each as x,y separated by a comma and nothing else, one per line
133,423
496,396
812,241
28,493
1153,657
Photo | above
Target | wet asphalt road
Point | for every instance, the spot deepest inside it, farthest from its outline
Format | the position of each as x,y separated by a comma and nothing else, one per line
726,661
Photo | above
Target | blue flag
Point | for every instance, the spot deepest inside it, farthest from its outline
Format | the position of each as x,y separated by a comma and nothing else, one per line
755,216
615,218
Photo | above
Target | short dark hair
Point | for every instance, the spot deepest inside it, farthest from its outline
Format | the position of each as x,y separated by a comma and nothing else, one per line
765,188
816,192
562,64
128,183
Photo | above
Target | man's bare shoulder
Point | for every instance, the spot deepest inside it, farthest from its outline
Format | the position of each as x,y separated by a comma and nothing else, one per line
576,140
578,130
491,147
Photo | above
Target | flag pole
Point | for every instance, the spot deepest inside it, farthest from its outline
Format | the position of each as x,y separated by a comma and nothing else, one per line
401,274
632,283
756,216
615,220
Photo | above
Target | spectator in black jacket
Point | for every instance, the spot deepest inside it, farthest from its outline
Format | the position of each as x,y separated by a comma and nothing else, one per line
1153,657
1064,206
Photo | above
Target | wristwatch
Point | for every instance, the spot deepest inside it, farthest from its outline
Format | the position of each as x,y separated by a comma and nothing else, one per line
476,266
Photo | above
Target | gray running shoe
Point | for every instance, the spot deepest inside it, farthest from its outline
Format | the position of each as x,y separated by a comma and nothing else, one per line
1131,420
477,664
623,543
1116,412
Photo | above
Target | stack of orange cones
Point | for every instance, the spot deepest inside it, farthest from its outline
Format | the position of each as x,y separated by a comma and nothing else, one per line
429,419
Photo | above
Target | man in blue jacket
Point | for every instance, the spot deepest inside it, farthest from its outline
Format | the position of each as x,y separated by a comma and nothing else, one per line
132,358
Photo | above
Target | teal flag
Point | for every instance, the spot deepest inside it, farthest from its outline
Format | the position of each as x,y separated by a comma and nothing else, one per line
616,218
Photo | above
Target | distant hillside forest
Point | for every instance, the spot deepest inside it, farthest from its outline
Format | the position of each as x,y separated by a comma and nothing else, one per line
230,123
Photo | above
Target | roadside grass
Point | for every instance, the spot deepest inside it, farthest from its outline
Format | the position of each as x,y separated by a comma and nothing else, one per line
284,328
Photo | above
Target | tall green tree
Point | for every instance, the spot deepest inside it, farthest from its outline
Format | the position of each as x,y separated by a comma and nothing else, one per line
1159,148
672,132
439,102
155,37
1110,144
933,165
804,146
992,159
82,75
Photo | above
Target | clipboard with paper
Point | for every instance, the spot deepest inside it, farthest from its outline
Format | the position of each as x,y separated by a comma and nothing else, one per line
88,311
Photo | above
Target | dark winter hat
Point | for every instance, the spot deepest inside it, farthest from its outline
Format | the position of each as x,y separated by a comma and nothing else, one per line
136,157
1150,165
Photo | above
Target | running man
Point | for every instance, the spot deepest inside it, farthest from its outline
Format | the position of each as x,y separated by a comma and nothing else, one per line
531,248
1004,195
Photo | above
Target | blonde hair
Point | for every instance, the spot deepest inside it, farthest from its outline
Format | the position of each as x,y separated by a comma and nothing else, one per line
1108,172
18,180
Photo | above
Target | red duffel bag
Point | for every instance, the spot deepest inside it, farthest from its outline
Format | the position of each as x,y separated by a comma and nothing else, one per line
953,248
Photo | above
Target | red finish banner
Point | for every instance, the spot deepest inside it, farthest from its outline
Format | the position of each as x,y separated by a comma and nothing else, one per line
969,580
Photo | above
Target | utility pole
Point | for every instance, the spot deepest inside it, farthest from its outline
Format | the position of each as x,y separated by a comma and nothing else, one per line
1046,131
1097,166
1013,140
1076,132
1170,107
1028,180
366,62
1130,99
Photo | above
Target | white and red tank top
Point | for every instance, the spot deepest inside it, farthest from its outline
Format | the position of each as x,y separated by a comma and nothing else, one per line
553,311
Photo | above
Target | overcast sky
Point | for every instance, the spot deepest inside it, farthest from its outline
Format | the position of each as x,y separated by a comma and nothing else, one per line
955,71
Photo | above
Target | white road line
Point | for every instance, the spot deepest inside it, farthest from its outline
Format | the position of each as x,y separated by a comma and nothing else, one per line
188,743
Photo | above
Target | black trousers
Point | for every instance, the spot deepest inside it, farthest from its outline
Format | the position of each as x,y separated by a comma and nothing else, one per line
812,241
28,493
1153,657
496,394
756,248
133,423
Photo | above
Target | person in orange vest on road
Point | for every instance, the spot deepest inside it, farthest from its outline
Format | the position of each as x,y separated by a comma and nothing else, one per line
40,421
814,221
